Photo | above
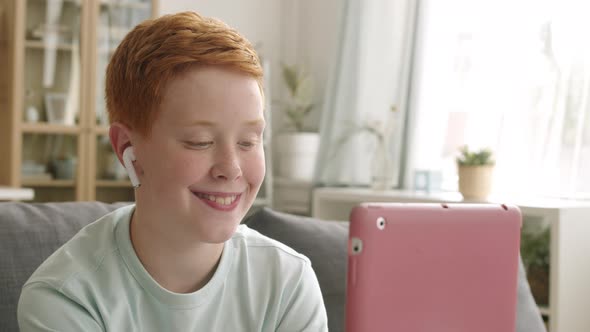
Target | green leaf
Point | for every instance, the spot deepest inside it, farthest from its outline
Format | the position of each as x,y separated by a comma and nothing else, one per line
475,158
299,104
307,109
291,78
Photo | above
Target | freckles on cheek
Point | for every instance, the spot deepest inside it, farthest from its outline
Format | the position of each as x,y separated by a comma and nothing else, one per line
170,169
256,169
189,169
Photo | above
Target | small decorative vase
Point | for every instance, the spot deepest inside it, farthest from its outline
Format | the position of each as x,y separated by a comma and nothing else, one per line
381,168
65,169
32,114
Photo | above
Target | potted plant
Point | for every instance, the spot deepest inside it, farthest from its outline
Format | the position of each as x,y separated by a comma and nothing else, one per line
296,148
475,169
534,249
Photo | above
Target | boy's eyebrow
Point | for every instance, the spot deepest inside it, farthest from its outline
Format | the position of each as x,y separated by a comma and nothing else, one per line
255,123
205,123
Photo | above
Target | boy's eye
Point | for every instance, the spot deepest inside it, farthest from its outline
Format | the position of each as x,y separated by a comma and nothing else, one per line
247,144
199,145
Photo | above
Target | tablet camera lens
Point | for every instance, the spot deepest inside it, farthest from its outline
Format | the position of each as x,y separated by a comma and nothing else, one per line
381,223
356,245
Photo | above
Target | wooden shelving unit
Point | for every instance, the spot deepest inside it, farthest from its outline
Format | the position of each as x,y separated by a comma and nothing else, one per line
39,44
48,128
101,130
49,183
113,183
35,71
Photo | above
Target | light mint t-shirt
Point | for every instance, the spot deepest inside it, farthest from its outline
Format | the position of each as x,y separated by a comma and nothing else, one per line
95,282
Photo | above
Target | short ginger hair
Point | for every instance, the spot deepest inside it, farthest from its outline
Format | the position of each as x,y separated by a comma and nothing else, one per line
158,50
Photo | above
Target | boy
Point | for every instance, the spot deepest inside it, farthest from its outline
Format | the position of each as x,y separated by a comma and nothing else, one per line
185,93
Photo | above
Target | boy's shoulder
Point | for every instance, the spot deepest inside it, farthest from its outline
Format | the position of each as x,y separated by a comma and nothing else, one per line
83,253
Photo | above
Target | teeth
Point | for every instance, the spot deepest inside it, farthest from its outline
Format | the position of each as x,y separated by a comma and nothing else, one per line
219,200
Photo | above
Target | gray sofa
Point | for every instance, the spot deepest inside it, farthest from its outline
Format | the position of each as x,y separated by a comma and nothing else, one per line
29,233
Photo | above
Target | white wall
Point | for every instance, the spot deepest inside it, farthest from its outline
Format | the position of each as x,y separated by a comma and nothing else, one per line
318,38
301,32
258,20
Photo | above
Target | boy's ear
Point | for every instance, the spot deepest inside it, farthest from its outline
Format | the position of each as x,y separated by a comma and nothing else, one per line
120,137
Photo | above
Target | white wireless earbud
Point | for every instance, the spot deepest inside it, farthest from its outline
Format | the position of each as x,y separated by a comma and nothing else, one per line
128,159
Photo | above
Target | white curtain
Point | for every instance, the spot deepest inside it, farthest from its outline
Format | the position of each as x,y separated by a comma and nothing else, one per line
544,147
370,74
519,74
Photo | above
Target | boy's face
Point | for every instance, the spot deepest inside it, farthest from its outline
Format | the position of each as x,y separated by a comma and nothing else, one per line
203,163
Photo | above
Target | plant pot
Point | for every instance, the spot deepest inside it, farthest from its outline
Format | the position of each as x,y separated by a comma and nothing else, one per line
538,279
297,155
381,168
65,169
475,182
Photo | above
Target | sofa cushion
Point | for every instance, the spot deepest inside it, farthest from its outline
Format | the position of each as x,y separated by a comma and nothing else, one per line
323,242
29,233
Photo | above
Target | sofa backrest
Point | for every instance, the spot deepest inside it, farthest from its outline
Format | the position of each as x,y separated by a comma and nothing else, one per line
29,233
323,242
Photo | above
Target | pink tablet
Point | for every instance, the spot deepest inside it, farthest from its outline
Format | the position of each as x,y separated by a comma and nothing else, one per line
432,268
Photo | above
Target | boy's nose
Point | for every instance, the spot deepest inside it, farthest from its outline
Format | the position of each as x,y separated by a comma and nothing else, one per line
226,169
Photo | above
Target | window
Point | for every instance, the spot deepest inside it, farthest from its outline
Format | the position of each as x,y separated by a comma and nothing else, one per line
510,75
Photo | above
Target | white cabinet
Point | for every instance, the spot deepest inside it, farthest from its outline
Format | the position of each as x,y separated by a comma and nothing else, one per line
292,196
568,221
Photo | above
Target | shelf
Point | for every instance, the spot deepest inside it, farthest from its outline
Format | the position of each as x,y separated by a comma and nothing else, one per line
351,194
49,128
73,2
16,194
292,196
125,4
544,310
114,183
101,130
39,44
66,1
293,182
48,183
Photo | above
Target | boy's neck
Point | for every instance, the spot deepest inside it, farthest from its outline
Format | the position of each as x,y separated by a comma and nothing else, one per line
178,266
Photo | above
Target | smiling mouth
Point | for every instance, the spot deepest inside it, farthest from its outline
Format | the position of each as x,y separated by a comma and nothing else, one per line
227,200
